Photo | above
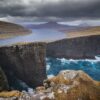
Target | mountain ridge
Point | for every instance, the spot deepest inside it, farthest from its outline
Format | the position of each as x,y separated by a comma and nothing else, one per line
50,25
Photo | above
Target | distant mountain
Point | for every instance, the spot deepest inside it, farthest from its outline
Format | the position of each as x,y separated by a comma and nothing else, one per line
50,25
10,29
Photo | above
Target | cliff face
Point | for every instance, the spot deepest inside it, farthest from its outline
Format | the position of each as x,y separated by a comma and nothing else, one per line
81,47
26,62
3,81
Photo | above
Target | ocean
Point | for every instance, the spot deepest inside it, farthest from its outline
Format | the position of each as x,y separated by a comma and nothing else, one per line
90,66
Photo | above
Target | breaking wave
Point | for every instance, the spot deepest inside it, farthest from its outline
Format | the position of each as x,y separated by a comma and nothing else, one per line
91,67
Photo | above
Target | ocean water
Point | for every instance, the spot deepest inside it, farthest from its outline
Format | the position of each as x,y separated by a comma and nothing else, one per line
37,35
91,67
55,65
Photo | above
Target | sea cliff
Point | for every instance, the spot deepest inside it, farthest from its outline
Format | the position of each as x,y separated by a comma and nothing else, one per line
24,61
80,47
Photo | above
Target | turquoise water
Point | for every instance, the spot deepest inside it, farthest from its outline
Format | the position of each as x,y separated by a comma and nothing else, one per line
91,67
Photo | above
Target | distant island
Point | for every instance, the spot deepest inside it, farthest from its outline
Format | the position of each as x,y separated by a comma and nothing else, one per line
84,32
8,30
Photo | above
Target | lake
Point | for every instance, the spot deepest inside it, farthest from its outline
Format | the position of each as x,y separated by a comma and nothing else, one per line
37,35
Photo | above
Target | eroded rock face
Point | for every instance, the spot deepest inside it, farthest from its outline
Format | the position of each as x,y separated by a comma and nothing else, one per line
26,62
81,47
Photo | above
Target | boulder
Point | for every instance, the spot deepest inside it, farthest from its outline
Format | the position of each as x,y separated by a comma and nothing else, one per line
74,85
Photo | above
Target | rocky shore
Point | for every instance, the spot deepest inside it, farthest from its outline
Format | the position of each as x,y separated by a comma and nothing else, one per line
67,85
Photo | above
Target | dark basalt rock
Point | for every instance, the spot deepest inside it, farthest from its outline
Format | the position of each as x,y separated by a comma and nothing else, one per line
81,47
26,62
3,81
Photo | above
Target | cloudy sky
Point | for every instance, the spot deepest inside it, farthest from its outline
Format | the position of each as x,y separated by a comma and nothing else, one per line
50,9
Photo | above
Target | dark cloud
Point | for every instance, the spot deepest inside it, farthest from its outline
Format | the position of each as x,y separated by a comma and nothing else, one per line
51,8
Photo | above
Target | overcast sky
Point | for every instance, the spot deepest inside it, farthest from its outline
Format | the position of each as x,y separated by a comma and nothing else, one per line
50,9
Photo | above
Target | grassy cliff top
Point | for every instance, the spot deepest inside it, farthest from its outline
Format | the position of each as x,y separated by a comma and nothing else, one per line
24,44
84,32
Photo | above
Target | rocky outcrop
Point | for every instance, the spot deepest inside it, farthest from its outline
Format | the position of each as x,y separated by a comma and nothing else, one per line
25,62
3,81
73,85
81,47
67,85
10,94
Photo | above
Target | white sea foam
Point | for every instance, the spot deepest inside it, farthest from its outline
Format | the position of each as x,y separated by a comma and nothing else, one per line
31,91
48,67
90,66
64,60
50,76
